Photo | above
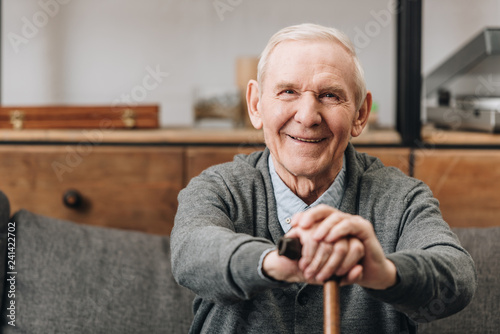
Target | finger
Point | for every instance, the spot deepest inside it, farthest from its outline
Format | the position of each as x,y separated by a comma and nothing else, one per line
308,218
293,233
355,252
353,276
327,224
281,268
350,226
319,260
296,218
340,249
309,248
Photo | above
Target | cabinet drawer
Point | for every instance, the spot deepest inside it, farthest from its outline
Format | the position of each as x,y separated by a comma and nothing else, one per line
465,182
394,157
200,158
128,187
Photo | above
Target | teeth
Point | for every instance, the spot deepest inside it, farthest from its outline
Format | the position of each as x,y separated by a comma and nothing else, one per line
307,140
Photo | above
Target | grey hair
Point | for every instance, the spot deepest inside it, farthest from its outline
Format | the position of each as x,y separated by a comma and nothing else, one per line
314,32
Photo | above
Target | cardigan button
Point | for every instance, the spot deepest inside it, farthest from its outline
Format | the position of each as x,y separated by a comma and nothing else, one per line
303,299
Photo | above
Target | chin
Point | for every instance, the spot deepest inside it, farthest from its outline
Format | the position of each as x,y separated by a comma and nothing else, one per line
308,170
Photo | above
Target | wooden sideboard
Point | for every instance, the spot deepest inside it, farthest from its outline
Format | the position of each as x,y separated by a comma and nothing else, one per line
130,179
125,187
465,181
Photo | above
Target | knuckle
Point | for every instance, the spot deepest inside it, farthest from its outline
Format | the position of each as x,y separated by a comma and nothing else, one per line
358,248
341,248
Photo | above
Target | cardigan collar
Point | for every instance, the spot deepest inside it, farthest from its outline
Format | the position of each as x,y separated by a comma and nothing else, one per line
349,204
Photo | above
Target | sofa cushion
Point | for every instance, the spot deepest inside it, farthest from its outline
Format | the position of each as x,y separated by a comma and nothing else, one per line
481,314
73,278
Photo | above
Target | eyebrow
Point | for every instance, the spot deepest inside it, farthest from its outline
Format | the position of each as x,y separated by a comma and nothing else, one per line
337,89
284,84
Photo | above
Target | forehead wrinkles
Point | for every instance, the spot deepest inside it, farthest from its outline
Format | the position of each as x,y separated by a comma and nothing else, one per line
316,62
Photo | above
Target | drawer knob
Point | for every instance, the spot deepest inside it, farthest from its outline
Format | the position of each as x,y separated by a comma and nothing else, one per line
72,199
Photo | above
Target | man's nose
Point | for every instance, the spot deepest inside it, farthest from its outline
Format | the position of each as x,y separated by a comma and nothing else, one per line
308,111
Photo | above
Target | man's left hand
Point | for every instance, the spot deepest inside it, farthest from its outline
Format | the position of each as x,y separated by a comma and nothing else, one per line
356,254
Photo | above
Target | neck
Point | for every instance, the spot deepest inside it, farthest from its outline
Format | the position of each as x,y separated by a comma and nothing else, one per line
307,188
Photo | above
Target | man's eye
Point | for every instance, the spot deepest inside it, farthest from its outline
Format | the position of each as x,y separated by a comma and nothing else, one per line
288,91
329,95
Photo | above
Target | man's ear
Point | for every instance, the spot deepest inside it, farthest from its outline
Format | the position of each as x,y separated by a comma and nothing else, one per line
361,117
253,99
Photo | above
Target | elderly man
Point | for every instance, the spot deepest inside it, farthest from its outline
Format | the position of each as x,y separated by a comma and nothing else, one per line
378,229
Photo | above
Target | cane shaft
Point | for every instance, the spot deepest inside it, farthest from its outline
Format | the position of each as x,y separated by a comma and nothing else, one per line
292,248
331,307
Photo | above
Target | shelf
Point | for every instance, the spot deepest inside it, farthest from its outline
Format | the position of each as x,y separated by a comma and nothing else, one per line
437,136
171,136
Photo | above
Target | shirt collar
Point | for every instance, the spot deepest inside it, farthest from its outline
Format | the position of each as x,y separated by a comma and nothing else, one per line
289,204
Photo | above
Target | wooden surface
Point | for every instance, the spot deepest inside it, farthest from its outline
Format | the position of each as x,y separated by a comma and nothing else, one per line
200,158
466,183
390,156
80,117
240,136
436,136
127,187
137,136
136,187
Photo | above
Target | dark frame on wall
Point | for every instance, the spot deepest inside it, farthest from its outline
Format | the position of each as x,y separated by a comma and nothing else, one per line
409,75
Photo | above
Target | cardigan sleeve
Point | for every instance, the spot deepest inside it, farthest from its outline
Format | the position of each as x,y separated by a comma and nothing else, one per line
209,256
437,277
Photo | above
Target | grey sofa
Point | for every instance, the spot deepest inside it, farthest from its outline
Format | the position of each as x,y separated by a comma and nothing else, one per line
72,278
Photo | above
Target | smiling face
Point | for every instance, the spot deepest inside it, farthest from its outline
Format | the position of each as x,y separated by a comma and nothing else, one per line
306,107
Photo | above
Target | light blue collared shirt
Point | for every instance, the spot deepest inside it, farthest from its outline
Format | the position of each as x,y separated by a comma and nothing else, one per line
289,204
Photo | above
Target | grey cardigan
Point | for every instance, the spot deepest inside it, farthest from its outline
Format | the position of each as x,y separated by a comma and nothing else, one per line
227,217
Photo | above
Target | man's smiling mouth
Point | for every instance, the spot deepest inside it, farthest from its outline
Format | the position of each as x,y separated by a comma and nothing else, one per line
306,140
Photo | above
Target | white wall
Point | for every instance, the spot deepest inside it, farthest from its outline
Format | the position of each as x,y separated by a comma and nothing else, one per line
448,24
96,51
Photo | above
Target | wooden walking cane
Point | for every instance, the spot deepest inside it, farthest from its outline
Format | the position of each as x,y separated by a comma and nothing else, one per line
292,249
